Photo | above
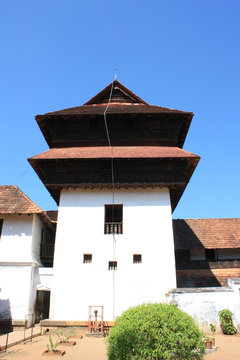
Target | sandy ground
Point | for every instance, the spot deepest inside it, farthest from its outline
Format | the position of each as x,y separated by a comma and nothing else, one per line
85,349
228,348
91,348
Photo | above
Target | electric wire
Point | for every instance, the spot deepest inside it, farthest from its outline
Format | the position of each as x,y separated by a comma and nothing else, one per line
113,194
109,142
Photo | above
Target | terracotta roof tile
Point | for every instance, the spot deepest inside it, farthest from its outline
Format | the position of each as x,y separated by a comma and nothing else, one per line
208,233
115,109
123,101
118,152
53,215
14,201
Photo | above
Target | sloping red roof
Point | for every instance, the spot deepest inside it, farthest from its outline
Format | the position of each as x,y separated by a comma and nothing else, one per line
208,233
115,109
53,215
125,103
118,152
116,90
14,201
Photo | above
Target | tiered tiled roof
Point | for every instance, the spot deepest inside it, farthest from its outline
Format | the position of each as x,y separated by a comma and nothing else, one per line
207,233
123,101
117,152
170,125
145,139
116,109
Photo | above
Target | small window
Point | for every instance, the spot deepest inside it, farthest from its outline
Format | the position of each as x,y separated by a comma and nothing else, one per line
113,219
137,258
1,224
87,258
210,254
112,265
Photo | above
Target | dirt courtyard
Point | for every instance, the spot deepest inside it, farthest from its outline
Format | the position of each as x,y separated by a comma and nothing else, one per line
87,348
92,348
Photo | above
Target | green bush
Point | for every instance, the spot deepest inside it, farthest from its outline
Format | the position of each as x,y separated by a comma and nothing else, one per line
155,332
226,322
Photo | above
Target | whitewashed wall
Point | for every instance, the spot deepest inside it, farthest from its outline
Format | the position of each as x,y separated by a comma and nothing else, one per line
44,279
204,304
37,229
19,257
15,291
16,238
147,230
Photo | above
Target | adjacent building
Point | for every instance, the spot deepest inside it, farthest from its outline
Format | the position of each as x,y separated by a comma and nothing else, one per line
25,232
207,252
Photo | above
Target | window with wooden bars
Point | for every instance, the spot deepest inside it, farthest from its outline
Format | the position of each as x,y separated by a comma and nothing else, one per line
112,265
87,258
137,258
113,219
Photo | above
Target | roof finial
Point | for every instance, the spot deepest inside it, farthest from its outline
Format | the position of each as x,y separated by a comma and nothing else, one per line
115,78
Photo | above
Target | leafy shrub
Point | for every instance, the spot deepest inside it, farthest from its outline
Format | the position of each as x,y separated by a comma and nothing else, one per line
155,332
227,322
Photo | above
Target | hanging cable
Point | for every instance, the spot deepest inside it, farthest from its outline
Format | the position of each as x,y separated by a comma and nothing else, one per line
113,196
109,141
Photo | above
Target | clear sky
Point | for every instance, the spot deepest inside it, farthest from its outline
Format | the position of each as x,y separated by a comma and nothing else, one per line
182,54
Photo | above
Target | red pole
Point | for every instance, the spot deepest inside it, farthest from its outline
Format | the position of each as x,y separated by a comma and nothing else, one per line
95,312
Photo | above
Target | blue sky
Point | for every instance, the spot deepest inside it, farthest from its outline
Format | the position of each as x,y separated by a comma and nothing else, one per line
178,54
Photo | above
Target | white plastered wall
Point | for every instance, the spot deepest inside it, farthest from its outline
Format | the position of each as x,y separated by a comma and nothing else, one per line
147,230
15,291
37,228
19,256
16,238
204,304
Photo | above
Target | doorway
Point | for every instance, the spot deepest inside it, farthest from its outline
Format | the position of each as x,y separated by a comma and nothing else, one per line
42,304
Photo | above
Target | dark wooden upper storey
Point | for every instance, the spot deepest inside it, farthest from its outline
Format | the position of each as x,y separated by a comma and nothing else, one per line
146,145
131,121
134,166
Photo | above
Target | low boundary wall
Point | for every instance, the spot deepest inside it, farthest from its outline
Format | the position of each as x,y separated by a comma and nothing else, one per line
203,304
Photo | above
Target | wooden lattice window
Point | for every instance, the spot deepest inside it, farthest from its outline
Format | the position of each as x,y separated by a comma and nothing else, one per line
137,258
87,258
112,265
113,219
